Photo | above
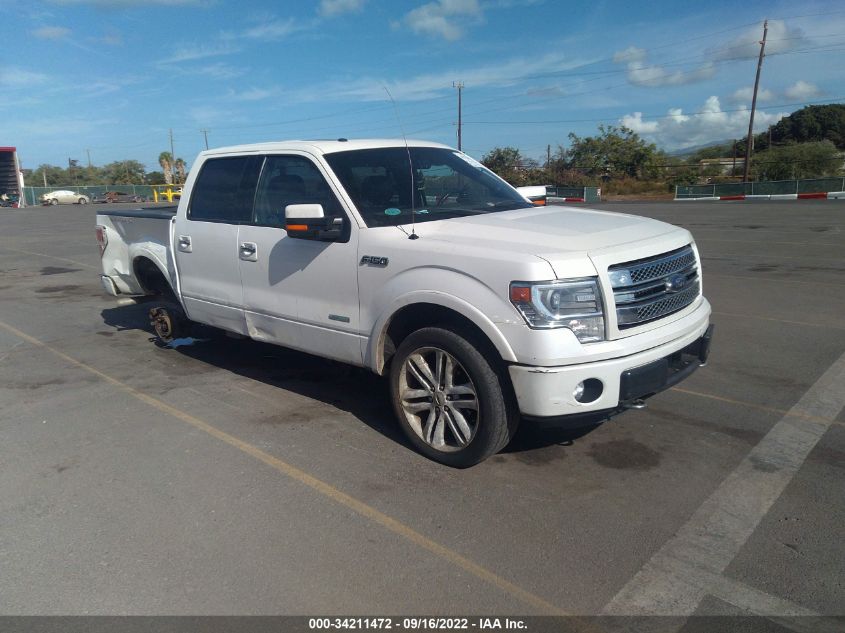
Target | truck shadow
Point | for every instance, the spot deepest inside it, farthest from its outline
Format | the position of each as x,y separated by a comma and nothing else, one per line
357,391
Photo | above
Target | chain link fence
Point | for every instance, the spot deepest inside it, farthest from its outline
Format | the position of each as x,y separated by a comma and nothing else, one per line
764,188
32,195
590,194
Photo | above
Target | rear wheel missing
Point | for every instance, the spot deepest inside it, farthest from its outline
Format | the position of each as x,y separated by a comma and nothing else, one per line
169,322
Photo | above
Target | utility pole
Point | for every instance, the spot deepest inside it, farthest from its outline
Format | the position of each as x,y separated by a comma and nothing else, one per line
172,155
205,134
750,138
88,151
548,156
733,165
460,86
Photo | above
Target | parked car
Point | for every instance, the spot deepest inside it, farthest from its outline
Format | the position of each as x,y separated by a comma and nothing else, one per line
415,261
117,196
64,196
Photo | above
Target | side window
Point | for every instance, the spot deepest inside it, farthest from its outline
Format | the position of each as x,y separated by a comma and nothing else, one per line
291,180
225,190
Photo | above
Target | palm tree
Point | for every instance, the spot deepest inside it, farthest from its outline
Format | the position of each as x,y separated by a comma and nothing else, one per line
166,162
179,166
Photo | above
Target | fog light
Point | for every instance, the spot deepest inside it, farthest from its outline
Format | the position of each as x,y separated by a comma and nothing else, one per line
588,391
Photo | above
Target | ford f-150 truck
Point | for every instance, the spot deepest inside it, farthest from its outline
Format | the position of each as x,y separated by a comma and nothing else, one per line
413,260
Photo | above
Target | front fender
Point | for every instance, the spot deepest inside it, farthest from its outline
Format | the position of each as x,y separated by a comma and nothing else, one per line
374,353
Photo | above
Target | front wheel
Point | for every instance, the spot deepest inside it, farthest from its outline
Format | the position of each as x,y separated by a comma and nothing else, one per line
54,201
452,403
83,201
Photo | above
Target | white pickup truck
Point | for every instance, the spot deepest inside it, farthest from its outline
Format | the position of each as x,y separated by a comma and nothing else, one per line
415,261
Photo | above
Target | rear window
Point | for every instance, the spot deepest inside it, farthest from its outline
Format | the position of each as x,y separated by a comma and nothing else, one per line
225,190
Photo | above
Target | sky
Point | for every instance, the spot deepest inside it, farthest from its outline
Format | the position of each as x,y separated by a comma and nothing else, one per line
109,79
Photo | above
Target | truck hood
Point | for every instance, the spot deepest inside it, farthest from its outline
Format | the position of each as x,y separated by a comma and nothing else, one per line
569,239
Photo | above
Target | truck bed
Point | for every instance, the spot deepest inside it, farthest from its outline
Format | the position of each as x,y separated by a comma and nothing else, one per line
138,241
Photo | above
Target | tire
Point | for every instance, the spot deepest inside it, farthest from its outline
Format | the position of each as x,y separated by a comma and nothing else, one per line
83,201
452,400
54,201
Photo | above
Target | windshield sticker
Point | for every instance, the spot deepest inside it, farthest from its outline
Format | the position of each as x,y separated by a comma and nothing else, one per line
392,211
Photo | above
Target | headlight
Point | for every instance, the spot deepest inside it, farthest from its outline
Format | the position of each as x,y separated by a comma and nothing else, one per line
573,304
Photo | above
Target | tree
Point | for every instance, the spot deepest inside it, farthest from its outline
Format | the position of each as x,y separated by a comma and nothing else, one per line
813,123
614,152
504,161
154,178
123,172
179,167
166,161
798,160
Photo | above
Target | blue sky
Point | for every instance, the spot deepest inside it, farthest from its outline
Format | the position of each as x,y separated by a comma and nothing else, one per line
114,76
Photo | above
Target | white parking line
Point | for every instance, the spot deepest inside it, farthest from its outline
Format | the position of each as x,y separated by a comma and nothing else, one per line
680,574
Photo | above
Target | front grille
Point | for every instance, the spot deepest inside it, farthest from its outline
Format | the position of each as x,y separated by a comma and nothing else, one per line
647,289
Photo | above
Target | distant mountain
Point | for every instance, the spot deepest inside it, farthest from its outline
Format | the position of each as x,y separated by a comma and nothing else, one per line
689,151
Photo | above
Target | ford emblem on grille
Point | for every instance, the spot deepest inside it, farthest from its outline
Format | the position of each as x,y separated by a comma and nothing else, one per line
675,283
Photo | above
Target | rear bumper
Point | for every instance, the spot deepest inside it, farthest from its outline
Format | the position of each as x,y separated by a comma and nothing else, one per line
109,285
549,392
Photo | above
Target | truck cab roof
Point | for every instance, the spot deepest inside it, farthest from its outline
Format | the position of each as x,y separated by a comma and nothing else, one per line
320,146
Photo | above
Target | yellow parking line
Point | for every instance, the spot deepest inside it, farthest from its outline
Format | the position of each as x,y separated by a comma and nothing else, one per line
759,407
323,488
61,259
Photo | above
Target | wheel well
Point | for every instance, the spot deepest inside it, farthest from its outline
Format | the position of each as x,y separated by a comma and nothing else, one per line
419,315
152,280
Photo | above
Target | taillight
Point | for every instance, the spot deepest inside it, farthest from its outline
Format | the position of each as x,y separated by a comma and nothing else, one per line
102,238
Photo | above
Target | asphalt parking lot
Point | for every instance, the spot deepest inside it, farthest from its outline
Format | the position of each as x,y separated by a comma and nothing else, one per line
231,477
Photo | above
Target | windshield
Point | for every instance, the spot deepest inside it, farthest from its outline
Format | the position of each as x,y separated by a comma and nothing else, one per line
446,184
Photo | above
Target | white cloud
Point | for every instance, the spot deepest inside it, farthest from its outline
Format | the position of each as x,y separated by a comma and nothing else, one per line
744,95
188,53
51,32
331,8
20,78
779,39
802,90
630,54
709,124
443,18
254,94
125,4
503,73
272,30
218,70
647,75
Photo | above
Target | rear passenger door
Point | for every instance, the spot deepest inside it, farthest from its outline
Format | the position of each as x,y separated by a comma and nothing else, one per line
205,240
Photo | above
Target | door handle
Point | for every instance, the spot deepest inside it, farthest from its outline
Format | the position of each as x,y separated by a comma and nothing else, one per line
183,243
248,251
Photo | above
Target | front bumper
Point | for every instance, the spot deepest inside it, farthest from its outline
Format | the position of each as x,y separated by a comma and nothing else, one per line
548,392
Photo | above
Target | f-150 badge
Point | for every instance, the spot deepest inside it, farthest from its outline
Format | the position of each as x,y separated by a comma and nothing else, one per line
373,260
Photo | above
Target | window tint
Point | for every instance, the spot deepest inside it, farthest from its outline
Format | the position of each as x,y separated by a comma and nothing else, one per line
446,184
291,180
225,190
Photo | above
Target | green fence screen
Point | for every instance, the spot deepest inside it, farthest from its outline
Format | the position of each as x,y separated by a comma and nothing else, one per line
764,188
32,195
